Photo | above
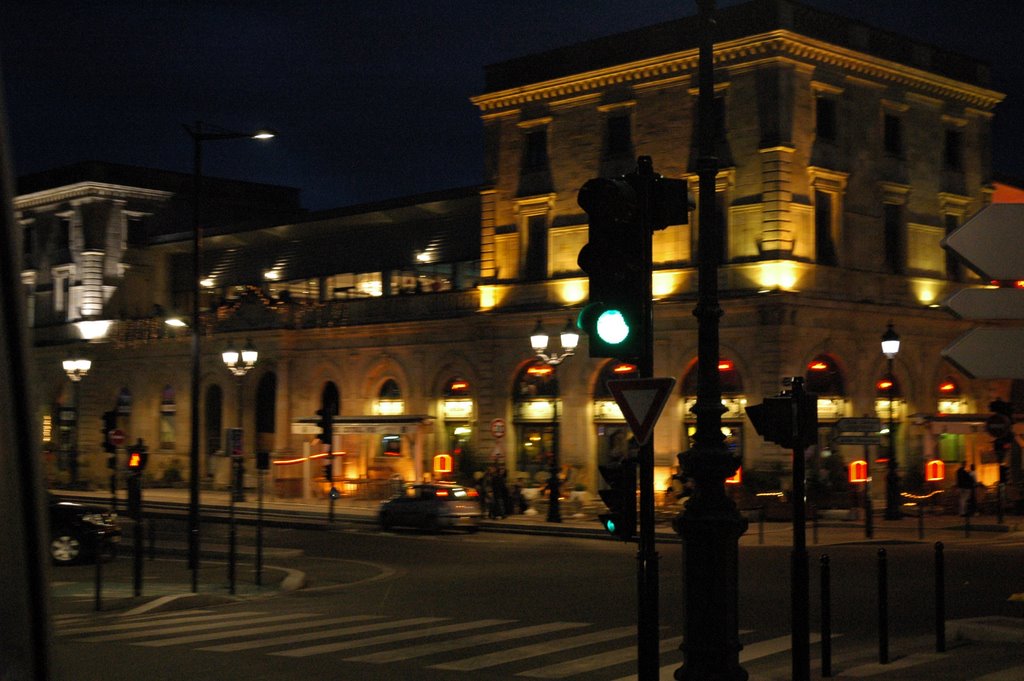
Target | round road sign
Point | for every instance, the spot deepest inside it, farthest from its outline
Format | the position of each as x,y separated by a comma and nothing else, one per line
998,425
116,437
498,428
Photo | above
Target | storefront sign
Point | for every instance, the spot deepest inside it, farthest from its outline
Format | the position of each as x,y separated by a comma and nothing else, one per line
458,409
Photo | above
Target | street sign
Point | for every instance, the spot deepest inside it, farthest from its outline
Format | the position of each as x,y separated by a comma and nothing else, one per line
857,440
988,353
861,425
987,303
498,428
992,242
641,401
116,437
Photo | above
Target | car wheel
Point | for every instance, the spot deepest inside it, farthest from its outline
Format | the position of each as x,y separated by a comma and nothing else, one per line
65,548
386,521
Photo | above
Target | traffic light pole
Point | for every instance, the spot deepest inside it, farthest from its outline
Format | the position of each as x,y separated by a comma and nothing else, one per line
647,555
710,525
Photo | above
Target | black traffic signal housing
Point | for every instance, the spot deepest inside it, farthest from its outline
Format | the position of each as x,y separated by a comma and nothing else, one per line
620,498
1000,426
616,264
326,425
138,454
788,420
329,470
109,419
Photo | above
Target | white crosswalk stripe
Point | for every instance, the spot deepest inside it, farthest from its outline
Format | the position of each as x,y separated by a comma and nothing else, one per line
536,650
252,631
387,638
313,636
233,624
423,649
143,624
592,663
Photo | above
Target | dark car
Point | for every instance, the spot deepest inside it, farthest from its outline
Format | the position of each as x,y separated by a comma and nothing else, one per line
432,506
81,531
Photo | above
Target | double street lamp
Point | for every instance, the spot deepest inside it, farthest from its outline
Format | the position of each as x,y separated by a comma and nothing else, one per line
199,134
76,369
890,348
569,338
239,364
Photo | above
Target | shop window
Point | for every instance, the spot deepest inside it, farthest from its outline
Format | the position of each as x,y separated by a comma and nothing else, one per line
537,413
391,446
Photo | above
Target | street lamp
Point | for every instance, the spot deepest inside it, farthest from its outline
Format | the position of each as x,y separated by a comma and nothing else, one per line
569,338
76,369
238,364
890,348
200,135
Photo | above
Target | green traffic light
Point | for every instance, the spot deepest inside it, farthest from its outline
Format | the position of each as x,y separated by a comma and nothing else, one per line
612,327
609,525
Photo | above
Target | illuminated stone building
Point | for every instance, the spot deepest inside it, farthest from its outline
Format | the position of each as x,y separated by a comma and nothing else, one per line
846,154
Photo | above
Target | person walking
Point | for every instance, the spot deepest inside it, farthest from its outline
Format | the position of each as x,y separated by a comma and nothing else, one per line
965,488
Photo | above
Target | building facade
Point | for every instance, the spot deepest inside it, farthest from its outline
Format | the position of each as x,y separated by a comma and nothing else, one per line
846,154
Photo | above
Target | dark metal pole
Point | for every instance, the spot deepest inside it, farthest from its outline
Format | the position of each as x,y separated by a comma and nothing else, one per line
883,608
799,572
940,599
236,481
554,507
826,617
892,492
261,474
98,585
710,525
193,454
137,542
647,555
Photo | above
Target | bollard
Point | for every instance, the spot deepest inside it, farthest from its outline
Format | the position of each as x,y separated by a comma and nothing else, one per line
999,499
826,617
920,521
940,599
883,608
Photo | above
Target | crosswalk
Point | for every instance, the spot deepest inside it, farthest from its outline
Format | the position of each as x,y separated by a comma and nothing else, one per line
482,648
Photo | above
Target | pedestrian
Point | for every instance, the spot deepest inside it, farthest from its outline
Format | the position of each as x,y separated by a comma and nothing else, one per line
502,498
972,501
964,487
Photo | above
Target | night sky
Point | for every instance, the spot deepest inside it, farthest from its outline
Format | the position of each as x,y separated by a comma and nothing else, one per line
370,99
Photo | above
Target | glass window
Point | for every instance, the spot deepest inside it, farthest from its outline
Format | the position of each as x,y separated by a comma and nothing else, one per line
535,150
892,135
826,119
167,411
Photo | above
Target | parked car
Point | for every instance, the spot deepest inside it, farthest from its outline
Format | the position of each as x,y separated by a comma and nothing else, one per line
432,506
81,531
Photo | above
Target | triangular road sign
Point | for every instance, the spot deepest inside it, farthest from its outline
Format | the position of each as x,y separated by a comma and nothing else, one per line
641,401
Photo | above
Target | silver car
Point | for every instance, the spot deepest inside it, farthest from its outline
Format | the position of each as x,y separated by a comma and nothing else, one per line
432,506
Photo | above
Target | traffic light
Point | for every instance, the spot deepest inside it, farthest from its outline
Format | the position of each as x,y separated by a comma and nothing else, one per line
109,423
620,498
138,454
787,420
326,426
618,268
1000,426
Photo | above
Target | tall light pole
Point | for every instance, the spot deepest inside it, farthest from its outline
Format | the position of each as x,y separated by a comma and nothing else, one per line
199,135
570,338
76,369
239,364
710,525
890,348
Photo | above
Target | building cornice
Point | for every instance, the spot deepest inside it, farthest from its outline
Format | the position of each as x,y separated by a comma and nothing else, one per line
776,43
88,190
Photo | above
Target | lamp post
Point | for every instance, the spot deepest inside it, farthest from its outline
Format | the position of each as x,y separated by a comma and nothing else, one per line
238,364
569,338
200,135
890,348
76,369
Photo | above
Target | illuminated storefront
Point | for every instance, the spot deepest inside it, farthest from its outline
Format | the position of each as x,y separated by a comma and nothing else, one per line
457,412
536,408
733,399
612,432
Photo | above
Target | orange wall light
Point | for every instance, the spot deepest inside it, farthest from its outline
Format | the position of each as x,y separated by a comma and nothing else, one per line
935,471
443,463
737,478
859,471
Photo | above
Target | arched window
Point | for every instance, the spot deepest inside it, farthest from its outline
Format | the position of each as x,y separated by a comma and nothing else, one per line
389,399
730,379
824,378
536,417
457,407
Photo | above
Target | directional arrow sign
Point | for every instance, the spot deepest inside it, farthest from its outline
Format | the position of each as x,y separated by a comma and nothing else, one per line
987,303
861,425
641,401
988,353
992,242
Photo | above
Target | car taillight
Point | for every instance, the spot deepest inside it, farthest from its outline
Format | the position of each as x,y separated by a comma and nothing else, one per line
441,493
473,493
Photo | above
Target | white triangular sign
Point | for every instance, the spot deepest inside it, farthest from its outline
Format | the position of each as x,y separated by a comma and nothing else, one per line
641,401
